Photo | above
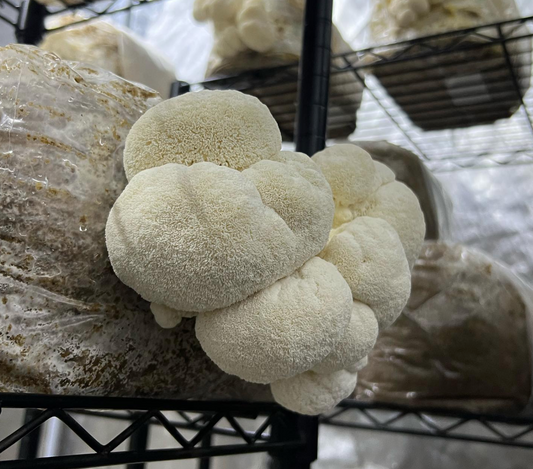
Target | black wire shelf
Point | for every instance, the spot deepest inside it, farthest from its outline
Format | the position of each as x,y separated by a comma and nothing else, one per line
460,100
399,92
30,18
9,12
193,428
206,429
88,11
504,430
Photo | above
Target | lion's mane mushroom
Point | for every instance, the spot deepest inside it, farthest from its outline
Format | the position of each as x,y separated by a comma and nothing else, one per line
364,188
407,12
168,318
369,255
356,342
290,264
255,26
358,366
311,393
223,127
293,186
203,237
282,330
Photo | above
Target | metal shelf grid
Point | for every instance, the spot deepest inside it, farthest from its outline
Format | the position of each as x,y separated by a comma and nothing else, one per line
291,439
9,12
499,53
89,10
193,425
29,18
202,430
449,424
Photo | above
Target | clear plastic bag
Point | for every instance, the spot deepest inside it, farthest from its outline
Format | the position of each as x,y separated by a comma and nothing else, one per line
492,213
467,316
67,324
103,45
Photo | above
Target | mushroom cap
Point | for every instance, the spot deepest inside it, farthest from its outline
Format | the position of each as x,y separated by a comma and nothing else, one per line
200,238
228,43
256,27
218,10
362,187
294,187
284,329
369,255
385,174
311,393
201,10
350,171
399,206
356,342
227,128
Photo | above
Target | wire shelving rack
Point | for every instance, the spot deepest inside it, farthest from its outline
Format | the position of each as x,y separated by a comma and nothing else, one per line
199,430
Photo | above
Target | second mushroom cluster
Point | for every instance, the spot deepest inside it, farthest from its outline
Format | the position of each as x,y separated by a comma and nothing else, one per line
291,265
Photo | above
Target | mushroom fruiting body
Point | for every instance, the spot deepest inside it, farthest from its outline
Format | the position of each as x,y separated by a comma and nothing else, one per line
369,255
358,366
356,341
227,128
168,318
254,24
311,393
291,265
203,237
407,12
362,187
284,329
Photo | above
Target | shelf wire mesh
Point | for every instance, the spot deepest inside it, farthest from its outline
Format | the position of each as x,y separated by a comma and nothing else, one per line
83,12
9,12
476,76
79,11
459,100
450,424
208,429
189,424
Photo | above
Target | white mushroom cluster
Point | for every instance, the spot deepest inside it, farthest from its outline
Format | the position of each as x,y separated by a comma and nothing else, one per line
245,25
290,264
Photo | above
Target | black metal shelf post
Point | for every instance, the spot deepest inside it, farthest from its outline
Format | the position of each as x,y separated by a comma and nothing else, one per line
286,426
311,126
313,89
30,26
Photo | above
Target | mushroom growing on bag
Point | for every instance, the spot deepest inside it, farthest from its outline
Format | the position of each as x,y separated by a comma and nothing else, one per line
289,263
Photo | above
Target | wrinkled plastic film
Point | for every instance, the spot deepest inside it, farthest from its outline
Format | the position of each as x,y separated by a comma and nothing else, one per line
101,44
467,316
492,213
67,324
